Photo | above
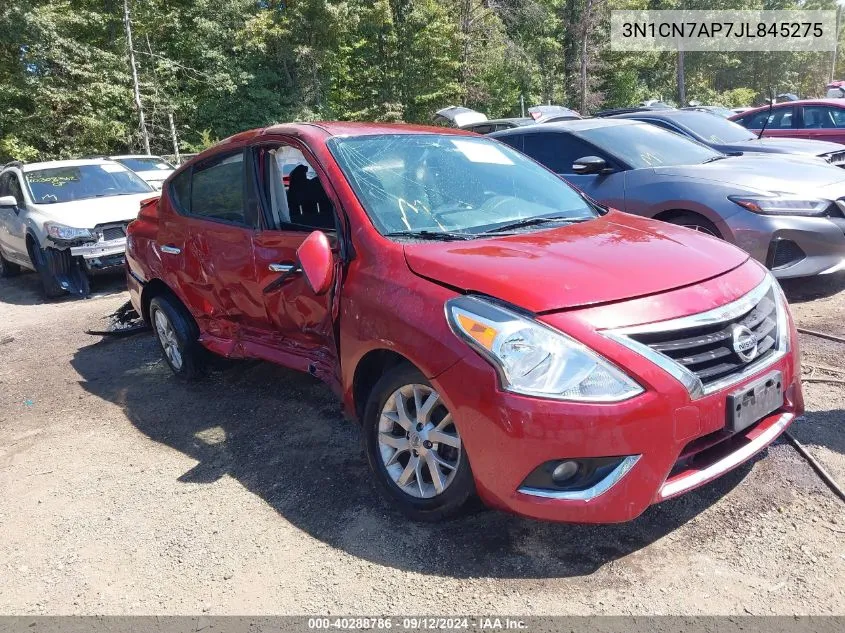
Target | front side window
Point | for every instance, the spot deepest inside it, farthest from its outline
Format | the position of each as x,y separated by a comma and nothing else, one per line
557,151
439,183
217,189
82,182
642,145
292,191
823,117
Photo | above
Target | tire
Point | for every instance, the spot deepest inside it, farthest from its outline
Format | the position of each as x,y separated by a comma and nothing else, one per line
178,337
7,268
49,285
418,499
696,223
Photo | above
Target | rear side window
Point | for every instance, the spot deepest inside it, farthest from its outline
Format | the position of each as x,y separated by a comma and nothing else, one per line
557,151
779,119
823,117
217,189
180,191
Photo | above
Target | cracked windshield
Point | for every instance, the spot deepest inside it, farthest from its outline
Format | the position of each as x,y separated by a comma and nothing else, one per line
439,185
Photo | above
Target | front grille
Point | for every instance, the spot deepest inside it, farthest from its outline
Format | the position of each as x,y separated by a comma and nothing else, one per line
835,158
112,233
708,350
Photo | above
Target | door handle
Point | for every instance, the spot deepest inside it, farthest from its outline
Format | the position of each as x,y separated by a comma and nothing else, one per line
170,250
286,270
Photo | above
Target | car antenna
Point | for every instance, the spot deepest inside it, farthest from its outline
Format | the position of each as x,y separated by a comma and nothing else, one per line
766,122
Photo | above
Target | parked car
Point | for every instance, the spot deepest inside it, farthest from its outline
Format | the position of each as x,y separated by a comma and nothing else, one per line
816,119
785,212
67,220
731,138
473,121
492,329
153,169
835,90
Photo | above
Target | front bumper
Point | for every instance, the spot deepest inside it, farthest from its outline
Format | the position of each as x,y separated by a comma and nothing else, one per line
679,442
103,256
822,241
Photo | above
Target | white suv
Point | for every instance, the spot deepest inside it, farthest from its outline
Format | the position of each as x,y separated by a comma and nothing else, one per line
67,220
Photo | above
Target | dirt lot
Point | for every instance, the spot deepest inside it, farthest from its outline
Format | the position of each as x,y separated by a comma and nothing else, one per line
125,492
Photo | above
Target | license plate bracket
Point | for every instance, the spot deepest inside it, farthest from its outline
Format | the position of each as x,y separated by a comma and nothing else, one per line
755,401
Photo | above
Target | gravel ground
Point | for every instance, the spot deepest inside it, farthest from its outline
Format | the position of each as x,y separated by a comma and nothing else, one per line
123,491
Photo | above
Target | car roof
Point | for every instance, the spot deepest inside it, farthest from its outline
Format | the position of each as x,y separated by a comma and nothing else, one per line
578,125
52,164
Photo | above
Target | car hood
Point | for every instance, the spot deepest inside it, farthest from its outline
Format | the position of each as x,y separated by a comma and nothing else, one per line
86,214
614,257
763,173
786,146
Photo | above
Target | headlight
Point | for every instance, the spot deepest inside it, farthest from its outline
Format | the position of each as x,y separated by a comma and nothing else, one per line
782,205
62,232
782,314
534,359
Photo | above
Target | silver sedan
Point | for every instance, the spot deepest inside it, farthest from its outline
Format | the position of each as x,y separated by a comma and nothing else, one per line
787,212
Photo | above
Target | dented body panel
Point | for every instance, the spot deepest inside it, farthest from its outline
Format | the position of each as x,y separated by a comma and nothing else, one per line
388,298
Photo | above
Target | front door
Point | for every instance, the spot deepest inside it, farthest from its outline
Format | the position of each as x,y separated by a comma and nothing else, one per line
12,227
297,327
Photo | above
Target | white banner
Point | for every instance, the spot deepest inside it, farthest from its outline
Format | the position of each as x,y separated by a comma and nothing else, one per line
712,30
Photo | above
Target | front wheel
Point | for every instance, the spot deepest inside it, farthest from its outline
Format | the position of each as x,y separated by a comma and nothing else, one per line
696,223
414,447
177,336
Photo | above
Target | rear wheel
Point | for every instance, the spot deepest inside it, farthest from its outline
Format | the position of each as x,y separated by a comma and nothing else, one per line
695,222
7,268
414,447
178,337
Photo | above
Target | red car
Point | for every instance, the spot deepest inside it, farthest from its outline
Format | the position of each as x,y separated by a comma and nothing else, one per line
818,119
493,331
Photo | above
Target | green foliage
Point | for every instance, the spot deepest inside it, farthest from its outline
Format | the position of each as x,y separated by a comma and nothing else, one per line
221,66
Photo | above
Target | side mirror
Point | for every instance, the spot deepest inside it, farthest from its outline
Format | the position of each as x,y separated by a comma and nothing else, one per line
8,201
314,257
589,165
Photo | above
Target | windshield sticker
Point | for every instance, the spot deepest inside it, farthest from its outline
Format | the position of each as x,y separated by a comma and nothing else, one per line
112,169
482,152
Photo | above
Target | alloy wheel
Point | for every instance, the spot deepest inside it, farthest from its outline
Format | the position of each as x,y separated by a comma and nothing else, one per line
418,441
167,338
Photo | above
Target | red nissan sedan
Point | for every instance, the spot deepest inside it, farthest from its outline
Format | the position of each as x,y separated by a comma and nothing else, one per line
495,332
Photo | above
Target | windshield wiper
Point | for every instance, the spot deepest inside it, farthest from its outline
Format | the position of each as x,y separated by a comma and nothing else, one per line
444,236
714,159
531,222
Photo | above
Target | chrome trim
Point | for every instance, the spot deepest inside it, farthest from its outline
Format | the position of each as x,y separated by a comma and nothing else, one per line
723,313
100,249
591,493
728,462
170,250
726,312
281,268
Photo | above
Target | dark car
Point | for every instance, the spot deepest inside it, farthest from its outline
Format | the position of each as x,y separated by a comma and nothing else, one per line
816,119
731,138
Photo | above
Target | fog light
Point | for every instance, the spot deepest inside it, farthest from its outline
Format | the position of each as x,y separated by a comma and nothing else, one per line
564,472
